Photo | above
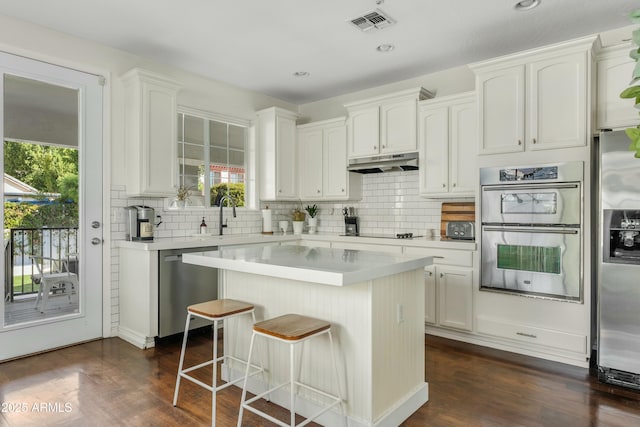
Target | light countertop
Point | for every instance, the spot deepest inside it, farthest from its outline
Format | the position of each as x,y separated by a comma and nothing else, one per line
328,266
242,239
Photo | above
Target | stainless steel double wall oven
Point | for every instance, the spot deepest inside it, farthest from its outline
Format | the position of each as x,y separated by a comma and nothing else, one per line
532,230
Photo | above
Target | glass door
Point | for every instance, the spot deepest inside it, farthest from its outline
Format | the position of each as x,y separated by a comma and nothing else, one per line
52,269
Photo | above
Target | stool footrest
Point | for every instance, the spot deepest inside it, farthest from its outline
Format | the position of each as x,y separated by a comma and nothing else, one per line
184,373
246,403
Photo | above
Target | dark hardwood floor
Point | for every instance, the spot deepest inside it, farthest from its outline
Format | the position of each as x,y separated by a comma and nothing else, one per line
111,383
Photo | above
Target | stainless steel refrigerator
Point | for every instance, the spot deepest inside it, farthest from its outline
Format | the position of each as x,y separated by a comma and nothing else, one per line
618,261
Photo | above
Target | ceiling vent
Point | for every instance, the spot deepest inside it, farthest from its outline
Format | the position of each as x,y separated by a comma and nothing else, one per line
375,19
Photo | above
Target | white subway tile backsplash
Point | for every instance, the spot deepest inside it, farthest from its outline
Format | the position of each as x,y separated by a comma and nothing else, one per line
390,204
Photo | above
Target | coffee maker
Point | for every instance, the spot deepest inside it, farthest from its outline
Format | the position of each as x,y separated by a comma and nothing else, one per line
351,226
140,223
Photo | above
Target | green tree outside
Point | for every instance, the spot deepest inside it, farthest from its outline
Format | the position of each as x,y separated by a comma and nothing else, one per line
50,170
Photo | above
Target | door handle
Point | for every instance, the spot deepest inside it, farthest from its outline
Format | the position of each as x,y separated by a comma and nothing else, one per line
96,241
95,224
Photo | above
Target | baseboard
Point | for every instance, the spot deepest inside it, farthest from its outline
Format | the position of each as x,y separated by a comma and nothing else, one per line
135,338
501,344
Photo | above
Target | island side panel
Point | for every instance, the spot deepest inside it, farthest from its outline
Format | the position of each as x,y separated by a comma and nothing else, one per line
398,340
349,310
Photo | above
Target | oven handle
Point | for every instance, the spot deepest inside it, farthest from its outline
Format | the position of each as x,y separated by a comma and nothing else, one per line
518,187
532,230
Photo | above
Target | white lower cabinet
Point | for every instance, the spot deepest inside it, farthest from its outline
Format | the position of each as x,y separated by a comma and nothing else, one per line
530,334
449,297
449,285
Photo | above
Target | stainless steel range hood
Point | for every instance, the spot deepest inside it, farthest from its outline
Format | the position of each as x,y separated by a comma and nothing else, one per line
387,163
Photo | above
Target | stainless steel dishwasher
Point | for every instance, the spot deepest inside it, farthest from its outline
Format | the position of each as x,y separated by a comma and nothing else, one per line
181,285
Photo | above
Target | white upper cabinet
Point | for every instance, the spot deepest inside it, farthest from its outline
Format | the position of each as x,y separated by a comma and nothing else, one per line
614,71
364,131
150,134
535,100
323,162
384,125
310,149
448,136
501,110
278,154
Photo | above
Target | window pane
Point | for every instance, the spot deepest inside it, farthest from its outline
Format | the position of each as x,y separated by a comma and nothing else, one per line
237,137
194,152
224,163
218,156
236,158
218,134
194,130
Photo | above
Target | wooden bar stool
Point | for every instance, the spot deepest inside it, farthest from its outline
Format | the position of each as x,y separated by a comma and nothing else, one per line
292,329
215,311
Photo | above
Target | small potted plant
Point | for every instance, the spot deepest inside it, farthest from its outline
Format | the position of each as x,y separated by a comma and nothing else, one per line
297,217
312,211
182,195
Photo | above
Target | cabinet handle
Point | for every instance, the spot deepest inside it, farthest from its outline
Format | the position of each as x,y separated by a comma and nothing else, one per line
524,334
519,142
534,141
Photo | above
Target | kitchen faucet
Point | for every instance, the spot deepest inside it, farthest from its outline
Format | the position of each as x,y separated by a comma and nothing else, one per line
221,204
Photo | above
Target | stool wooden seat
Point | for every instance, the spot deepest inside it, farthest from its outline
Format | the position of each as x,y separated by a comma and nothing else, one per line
292,329
220,308
215,311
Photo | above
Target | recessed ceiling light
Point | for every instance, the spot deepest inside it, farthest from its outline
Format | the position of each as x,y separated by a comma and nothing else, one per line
385,48
301,74
526,4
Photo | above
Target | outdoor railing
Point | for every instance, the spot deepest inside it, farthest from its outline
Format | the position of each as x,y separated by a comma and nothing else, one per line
54,244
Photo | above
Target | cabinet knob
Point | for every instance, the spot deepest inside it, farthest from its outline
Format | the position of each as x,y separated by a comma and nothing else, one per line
430,274
318,191
280,191
534,141
343,190
375,147
519,142
384,146
454,184
441,275
444,185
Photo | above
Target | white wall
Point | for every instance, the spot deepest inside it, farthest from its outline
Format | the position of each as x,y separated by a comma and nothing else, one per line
442,83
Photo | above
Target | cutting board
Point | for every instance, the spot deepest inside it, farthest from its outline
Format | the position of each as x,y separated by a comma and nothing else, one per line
456,211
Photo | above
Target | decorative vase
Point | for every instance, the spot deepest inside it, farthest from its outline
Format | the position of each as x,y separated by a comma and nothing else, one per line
297,227
180,203
313,225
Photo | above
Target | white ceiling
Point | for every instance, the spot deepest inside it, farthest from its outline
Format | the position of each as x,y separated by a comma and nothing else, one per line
259,44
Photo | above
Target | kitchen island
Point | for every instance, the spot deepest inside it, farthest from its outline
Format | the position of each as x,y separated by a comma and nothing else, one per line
375,302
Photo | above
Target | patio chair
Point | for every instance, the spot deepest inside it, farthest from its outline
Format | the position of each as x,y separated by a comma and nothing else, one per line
57,280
